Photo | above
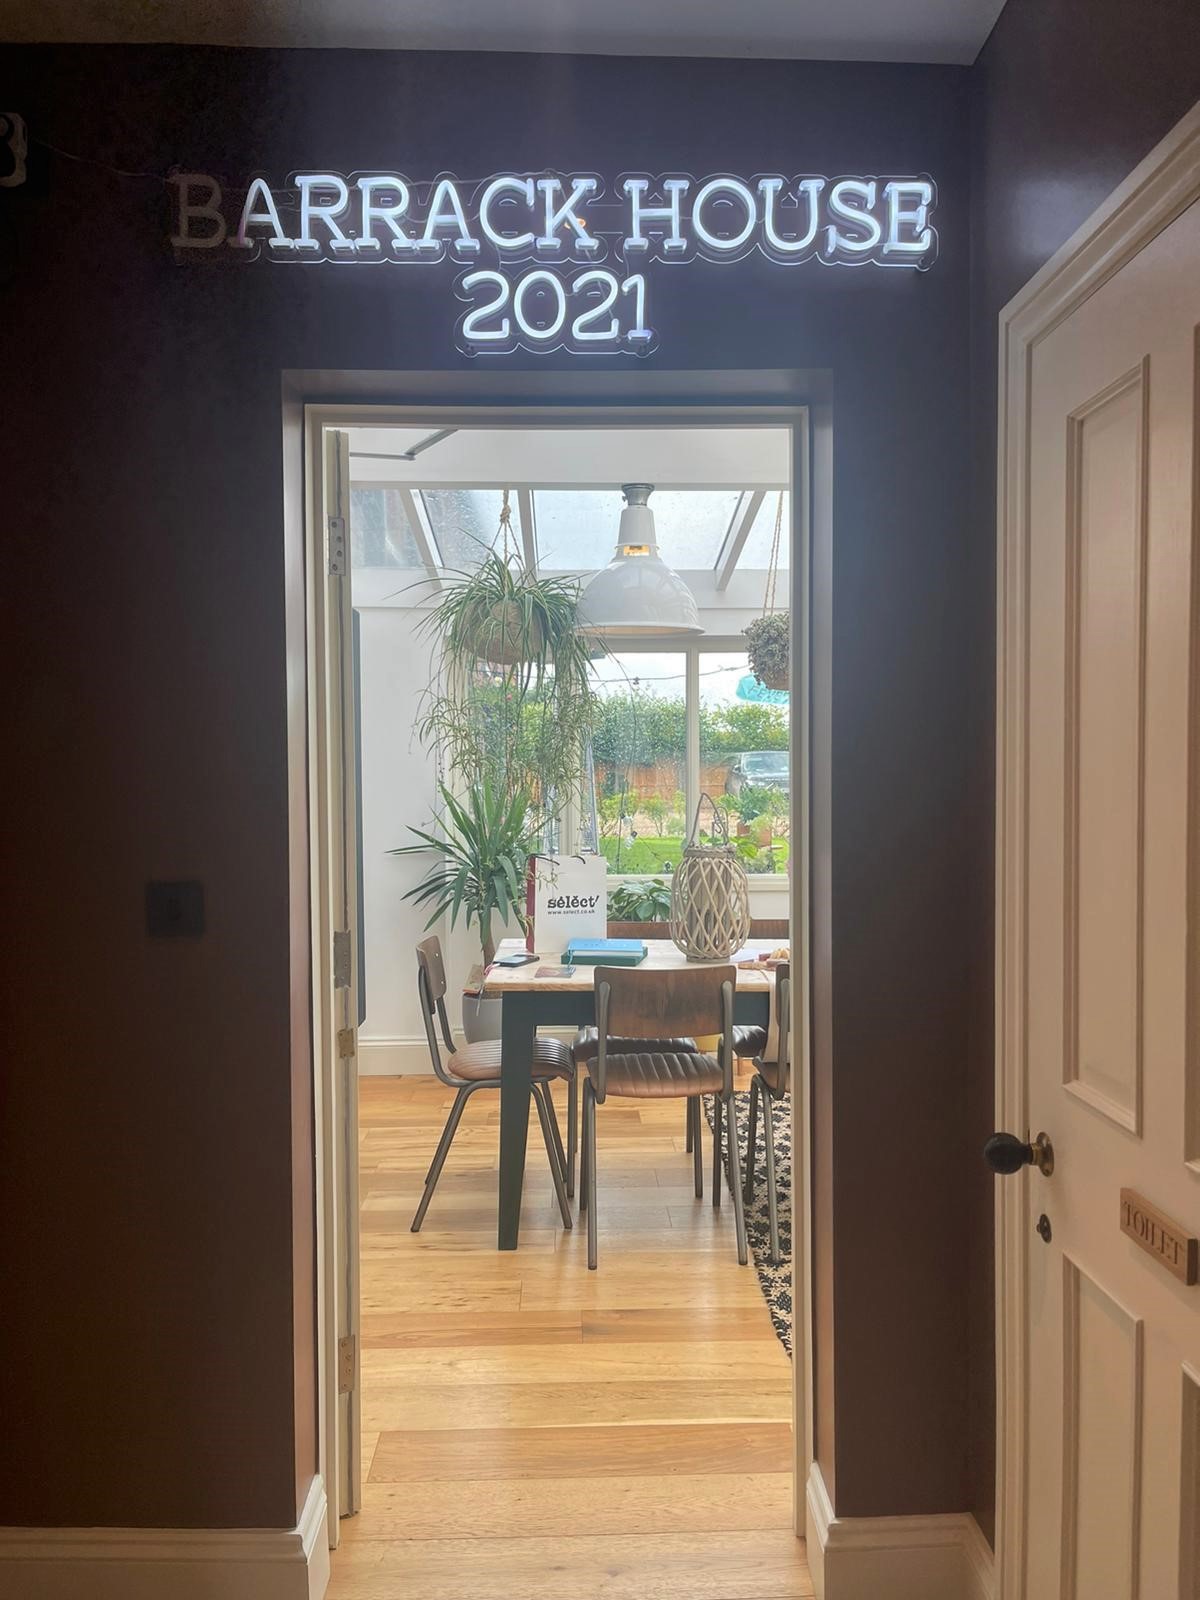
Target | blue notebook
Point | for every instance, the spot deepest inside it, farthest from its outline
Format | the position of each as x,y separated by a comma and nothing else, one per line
605,952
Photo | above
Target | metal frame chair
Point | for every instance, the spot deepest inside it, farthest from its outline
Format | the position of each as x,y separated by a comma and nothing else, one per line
771,1081
479,1068
643,1008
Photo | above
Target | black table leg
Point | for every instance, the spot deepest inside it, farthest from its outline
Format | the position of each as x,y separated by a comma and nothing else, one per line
516,1052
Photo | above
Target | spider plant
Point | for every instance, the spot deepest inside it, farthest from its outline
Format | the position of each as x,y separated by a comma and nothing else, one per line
512,696
481,850
504,614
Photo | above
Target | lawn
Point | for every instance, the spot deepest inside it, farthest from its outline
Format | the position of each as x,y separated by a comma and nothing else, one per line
651,855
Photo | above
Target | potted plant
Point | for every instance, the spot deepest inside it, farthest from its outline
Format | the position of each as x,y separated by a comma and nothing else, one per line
480,855
768,645
643,900
512,694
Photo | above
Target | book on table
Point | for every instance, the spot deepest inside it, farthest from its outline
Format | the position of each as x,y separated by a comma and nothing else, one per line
605,952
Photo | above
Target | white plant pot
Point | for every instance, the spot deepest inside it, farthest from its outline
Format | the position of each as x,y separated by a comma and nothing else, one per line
481,1017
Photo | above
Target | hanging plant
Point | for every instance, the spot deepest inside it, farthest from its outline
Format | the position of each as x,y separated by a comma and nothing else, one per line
769,637
512,698
768,644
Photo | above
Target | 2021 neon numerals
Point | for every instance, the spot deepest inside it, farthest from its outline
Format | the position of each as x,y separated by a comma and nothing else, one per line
593,311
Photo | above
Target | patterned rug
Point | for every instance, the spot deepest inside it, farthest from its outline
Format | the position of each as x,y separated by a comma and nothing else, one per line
775,1282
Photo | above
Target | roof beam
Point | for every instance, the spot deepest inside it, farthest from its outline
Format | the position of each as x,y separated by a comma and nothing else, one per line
734,542
423,534
528,532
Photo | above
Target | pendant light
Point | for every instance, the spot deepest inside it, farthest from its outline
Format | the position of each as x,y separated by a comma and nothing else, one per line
637,592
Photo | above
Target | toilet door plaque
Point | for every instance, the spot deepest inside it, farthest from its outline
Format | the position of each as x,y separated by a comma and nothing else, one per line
1160,1237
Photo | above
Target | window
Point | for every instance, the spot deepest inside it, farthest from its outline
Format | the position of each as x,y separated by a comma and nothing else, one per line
744,760
645,794
639,751
380,532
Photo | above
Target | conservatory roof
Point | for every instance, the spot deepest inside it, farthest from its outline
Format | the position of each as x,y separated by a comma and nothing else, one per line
428,500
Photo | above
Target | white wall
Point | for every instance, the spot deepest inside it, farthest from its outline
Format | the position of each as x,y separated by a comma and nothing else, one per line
398,788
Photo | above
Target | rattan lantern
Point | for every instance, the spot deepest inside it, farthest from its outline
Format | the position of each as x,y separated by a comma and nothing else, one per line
710,894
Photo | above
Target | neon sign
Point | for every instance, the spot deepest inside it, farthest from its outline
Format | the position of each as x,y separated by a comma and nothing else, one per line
551,261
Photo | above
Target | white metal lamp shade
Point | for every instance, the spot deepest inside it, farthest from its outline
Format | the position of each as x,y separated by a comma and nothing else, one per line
637,592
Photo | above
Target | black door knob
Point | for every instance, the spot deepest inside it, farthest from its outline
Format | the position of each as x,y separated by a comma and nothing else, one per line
1005,1153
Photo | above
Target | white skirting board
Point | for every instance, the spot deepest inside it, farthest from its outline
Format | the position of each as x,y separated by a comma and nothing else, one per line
895,1558
394,1058
170,1563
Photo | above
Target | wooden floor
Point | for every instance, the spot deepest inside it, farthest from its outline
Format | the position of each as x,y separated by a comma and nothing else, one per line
533,1431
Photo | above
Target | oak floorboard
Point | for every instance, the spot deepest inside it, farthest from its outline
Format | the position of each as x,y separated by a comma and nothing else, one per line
532,1429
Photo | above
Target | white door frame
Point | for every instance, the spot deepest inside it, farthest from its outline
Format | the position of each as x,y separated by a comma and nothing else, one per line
1153,195
810,476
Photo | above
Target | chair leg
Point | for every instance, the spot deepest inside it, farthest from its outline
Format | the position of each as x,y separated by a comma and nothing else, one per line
735,1185
695,1113
583,1148
554,1129
572,1128
752,1141
589,1145
439,1156
690,1139
772,1193
718,1103
541,1094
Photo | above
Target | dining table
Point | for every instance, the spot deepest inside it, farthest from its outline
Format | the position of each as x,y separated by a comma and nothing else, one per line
529,1002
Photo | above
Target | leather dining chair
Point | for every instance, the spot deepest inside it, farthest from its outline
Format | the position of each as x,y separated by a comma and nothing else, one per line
472,1067
772,1081
652,1012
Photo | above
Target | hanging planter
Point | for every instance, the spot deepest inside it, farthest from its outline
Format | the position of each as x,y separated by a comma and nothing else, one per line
768,644
511,693
769,637
710,894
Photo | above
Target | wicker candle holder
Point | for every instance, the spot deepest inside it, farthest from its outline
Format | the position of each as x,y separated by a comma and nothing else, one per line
710,895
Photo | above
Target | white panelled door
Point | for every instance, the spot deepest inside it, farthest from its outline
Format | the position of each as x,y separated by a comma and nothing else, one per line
1111,813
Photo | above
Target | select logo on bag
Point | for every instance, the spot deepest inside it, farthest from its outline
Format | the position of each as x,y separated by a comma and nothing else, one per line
565,900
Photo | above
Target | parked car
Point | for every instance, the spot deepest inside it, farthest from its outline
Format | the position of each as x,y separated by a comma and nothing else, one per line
766,769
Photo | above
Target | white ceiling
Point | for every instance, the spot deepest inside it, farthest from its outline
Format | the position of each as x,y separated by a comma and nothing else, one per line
852,30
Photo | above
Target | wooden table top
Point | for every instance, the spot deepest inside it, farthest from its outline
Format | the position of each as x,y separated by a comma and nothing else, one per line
661,956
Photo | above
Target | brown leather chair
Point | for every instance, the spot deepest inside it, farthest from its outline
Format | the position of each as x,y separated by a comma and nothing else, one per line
477,1066
646,1008
772,1080
749,1038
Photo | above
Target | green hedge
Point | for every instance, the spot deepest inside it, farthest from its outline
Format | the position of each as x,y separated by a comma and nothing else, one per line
636,730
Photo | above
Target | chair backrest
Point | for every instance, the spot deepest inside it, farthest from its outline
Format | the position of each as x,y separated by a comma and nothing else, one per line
431,990
769,928
760,928
641,1003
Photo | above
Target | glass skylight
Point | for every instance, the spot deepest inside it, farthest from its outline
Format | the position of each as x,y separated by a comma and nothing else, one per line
577,528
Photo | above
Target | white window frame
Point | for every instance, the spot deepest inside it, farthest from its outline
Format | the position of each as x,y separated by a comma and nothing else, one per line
691,649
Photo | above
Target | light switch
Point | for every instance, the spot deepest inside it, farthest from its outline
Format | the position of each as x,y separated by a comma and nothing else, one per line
174,908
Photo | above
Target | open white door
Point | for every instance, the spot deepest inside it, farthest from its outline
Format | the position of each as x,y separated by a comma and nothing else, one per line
336,978
1100,844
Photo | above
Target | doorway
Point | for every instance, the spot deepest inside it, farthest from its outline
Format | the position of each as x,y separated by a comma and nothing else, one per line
376,490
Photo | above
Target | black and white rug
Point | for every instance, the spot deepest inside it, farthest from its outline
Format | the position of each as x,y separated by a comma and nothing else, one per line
775,1282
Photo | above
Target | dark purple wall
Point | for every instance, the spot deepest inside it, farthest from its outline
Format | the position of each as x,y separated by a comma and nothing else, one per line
1067,97
153,1144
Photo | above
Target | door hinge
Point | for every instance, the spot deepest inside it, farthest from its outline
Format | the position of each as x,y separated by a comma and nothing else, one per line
347,1044
337,547
341,959
347,1363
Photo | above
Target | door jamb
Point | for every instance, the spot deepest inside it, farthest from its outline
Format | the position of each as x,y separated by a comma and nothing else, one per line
810,469
1150,198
